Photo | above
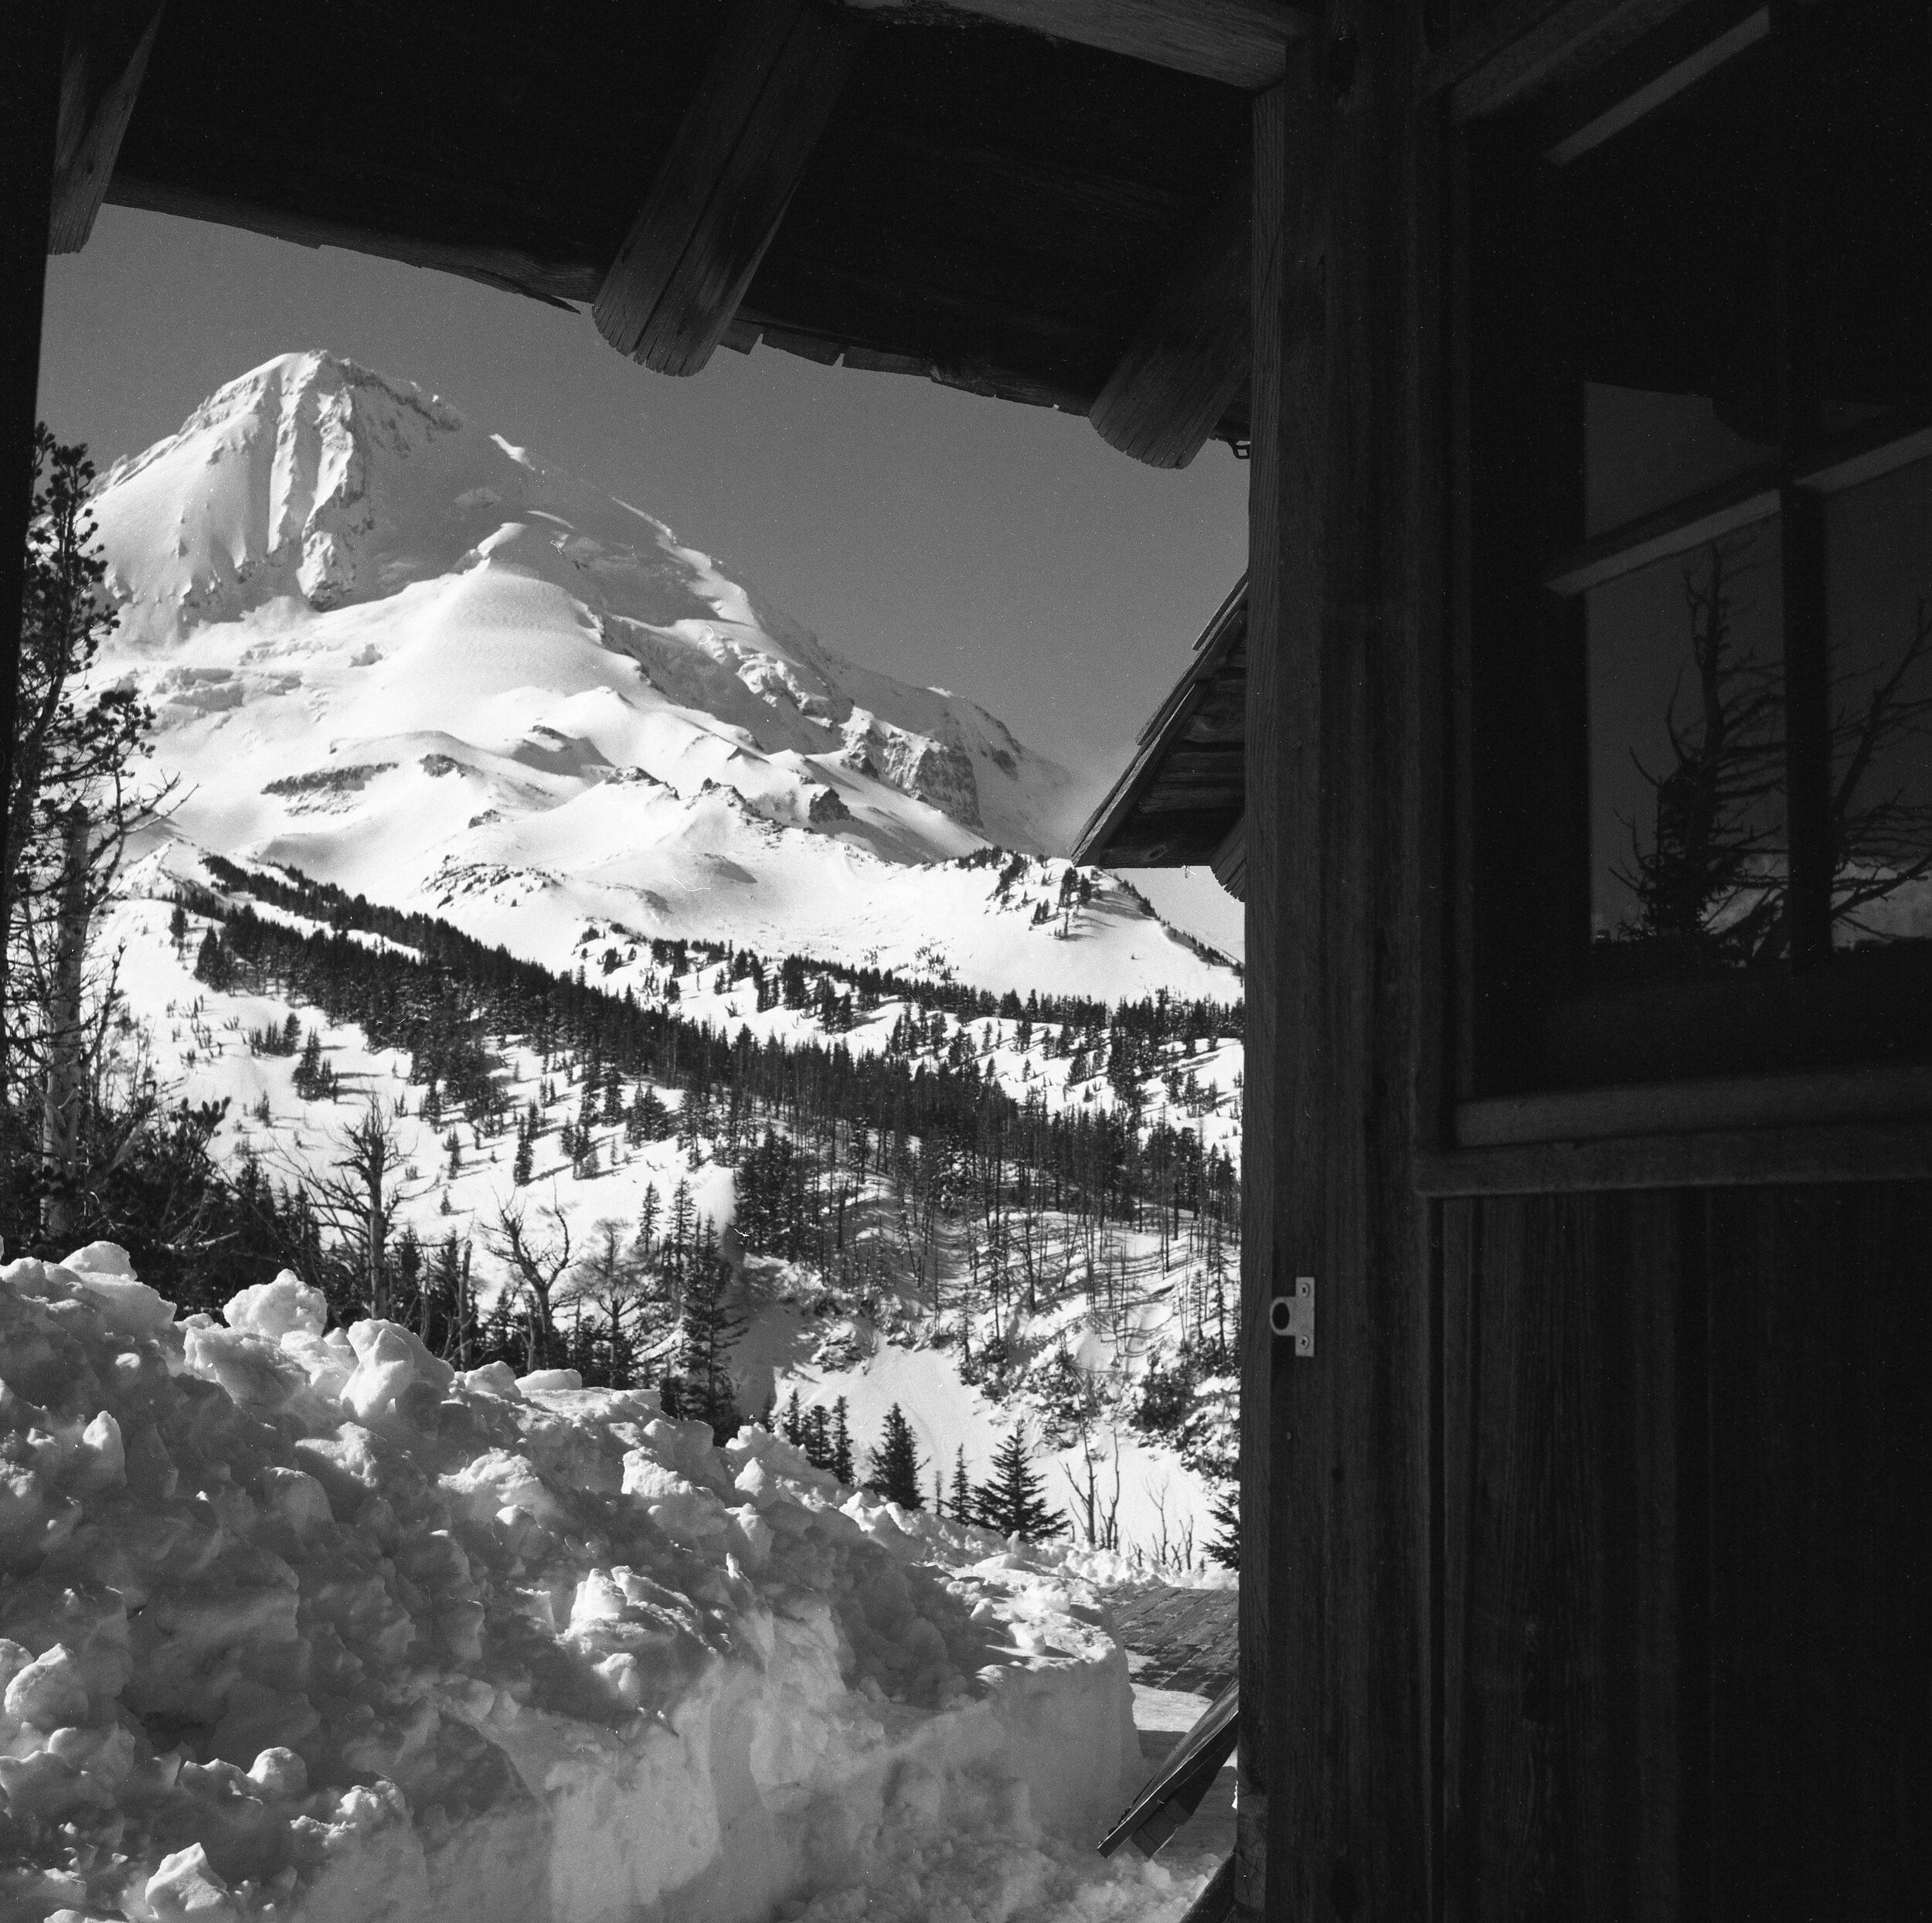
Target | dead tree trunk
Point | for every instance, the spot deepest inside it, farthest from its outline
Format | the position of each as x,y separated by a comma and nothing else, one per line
60,1115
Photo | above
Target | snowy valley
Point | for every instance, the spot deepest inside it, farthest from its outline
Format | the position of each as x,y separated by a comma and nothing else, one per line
694,1251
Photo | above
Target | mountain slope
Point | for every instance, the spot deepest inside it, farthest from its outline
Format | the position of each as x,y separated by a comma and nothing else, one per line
393,650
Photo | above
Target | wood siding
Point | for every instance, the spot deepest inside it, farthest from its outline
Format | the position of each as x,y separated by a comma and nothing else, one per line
1686,1554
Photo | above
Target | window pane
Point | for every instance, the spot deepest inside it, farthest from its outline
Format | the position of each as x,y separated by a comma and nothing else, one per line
1879,595
1687,757
1865,242
1673,295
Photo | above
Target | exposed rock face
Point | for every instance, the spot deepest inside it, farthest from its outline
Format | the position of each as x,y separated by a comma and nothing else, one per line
938,773
827,805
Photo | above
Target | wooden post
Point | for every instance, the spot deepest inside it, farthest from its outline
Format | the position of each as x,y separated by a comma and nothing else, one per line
29,110
1337,1781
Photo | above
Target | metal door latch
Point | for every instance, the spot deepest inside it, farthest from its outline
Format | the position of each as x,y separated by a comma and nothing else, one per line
1295,1315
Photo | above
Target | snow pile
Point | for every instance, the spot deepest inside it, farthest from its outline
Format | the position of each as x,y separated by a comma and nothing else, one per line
300,1624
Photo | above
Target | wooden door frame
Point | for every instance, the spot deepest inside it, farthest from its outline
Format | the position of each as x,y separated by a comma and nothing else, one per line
1346,814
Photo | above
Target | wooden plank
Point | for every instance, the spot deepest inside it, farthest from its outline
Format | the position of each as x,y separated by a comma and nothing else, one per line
1572,1548
1335,1635
1229,861
1173,383
1242,43
1820,1554
555,282
1744,1158
716,202
106,56
1885,1094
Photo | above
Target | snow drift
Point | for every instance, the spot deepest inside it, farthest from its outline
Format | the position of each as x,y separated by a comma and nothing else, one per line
302,1625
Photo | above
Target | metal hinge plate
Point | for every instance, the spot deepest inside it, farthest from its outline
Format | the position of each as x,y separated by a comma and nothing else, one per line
1293,1315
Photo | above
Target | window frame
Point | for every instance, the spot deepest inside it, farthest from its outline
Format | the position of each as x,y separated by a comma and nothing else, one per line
1761,1080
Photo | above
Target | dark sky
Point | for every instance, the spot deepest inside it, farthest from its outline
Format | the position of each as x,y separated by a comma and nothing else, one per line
1001,551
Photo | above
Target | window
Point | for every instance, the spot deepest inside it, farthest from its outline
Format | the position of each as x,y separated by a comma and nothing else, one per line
1697,318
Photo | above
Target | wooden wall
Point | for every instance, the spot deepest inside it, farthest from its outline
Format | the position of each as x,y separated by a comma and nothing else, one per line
1588,1559
1685,1567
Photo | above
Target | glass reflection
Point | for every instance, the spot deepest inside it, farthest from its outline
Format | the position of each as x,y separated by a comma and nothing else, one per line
1687,757
1642,450
1878,598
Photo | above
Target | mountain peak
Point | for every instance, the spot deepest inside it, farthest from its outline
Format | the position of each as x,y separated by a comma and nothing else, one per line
387,647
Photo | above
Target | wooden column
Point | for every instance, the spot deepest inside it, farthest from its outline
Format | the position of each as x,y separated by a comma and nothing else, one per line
1336,1687
29,108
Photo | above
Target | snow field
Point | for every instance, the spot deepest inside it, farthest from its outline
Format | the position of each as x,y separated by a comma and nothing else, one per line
304,1625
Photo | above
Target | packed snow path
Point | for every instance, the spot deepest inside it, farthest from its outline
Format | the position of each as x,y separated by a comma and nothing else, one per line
300,1624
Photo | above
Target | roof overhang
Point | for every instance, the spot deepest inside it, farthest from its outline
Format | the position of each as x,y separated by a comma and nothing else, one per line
1182,801
1040,200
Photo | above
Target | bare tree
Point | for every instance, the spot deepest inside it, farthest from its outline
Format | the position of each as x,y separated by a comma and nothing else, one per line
359,1196
1710,870
614,1280
1708,876
536,1266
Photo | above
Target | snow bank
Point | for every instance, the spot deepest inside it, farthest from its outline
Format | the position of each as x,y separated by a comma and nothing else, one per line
302,1624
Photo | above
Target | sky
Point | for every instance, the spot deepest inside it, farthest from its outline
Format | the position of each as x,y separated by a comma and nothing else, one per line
1004,552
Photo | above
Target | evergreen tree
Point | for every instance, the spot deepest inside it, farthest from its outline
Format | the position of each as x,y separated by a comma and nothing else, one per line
963,1509
842,1442
1226,1549
708,1329
524,1167
313,1080
792,1425
213,963
1010,1500
895,1463
818,1438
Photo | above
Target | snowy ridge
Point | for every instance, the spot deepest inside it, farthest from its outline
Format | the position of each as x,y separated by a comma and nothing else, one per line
306,1626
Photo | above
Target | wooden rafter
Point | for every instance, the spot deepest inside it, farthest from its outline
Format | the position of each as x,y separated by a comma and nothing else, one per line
713,209
107,46
1178,374
1240,42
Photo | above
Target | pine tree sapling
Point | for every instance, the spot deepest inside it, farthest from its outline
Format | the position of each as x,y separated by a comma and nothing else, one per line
1226,1548
894,1468
841,1465
965,1508
1010,1501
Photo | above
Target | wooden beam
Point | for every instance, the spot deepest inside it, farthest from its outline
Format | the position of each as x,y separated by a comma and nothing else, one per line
1241,44
1175,382
108,46
716,204
29,113
1520,48
1229,862
1336,1598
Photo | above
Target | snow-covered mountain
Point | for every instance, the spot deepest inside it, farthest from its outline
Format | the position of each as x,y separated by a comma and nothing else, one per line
391,649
